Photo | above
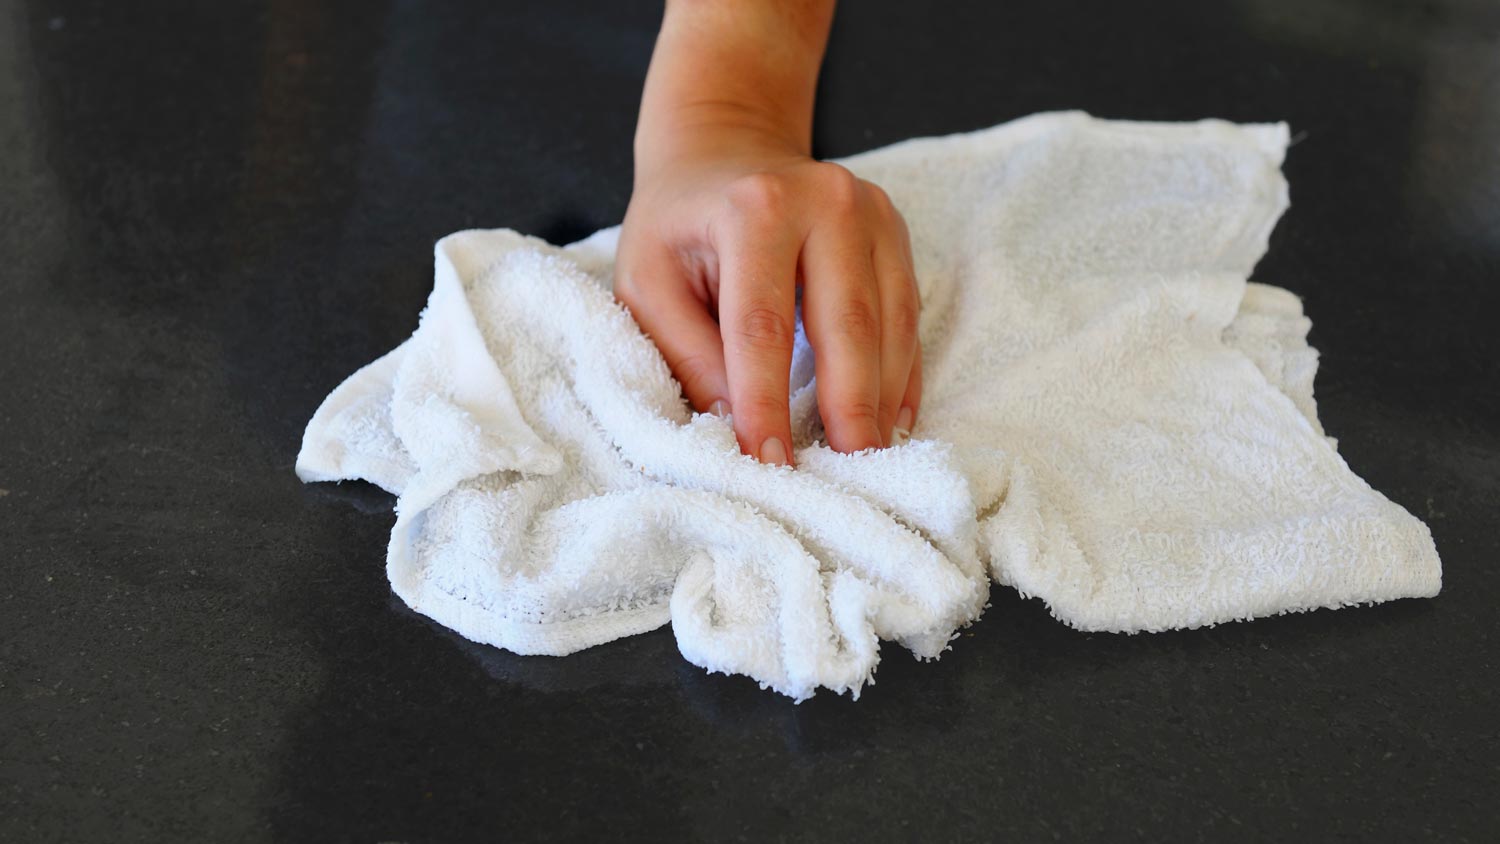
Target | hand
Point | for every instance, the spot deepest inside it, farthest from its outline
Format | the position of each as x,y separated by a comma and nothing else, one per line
718,237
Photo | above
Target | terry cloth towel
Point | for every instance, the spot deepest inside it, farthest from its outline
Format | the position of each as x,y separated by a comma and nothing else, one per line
1114,421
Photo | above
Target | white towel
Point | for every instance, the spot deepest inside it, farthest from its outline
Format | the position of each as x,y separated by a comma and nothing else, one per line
1113,421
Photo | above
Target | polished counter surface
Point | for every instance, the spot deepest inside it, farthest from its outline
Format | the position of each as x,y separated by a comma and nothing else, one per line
211,213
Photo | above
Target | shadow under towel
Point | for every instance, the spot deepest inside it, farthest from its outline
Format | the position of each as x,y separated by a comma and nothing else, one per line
1114,421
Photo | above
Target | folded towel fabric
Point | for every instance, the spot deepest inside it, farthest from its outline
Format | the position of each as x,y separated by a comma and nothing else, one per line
1114,421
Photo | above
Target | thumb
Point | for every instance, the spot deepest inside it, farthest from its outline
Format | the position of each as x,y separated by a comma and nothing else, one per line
653,284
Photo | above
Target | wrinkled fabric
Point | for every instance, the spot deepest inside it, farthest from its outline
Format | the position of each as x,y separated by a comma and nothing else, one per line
1114,421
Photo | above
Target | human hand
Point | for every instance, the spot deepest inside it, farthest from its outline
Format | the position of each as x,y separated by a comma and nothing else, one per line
718,237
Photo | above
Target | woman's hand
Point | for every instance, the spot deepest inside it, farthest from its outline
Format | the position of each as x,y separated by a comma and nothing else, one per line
730,215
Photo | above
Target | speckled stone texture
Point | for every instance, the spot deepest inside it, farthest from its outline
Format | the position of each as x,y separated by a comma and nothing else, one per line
210,213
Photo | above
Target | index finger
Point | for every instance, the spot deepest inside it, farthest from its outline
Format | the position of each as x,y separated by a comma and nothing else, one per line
757,319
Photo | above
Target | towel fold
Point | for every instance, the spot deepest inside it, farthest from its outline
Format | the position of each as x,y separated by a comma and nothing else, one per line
1113,421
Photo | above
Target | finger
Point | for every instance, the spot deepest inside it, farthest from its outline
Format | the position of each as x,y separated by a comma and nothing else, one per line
841,311
654,286
757,318
911,402
900,309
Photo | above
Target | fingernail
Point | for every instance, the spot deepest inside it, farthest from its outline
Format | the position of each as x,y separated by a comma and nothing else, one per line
902,431
719,408
773,451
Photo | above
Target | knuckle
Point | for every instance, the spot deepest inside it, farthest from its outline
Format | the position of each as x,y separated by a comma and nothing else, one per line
884,210
858,323
880,199
627,290
764,328
905,319
693,370
633,279
840,187
762,408
761,411
858,409
757,193
900,222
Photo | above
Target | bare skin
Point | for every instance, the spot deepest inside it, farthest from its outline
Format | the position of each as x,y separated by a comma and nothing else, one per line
730,214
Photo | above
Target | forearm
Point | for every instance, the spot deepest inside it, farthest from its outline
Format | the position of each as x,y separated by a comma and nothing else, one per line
728,71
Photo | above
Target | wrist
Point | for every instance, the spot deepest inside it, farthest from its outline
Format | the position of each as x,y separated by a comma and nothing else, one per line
720,129
731,79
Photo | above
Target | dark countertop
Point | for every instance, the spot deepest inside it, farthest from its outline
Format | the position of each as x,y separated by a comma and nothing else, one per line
211,213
